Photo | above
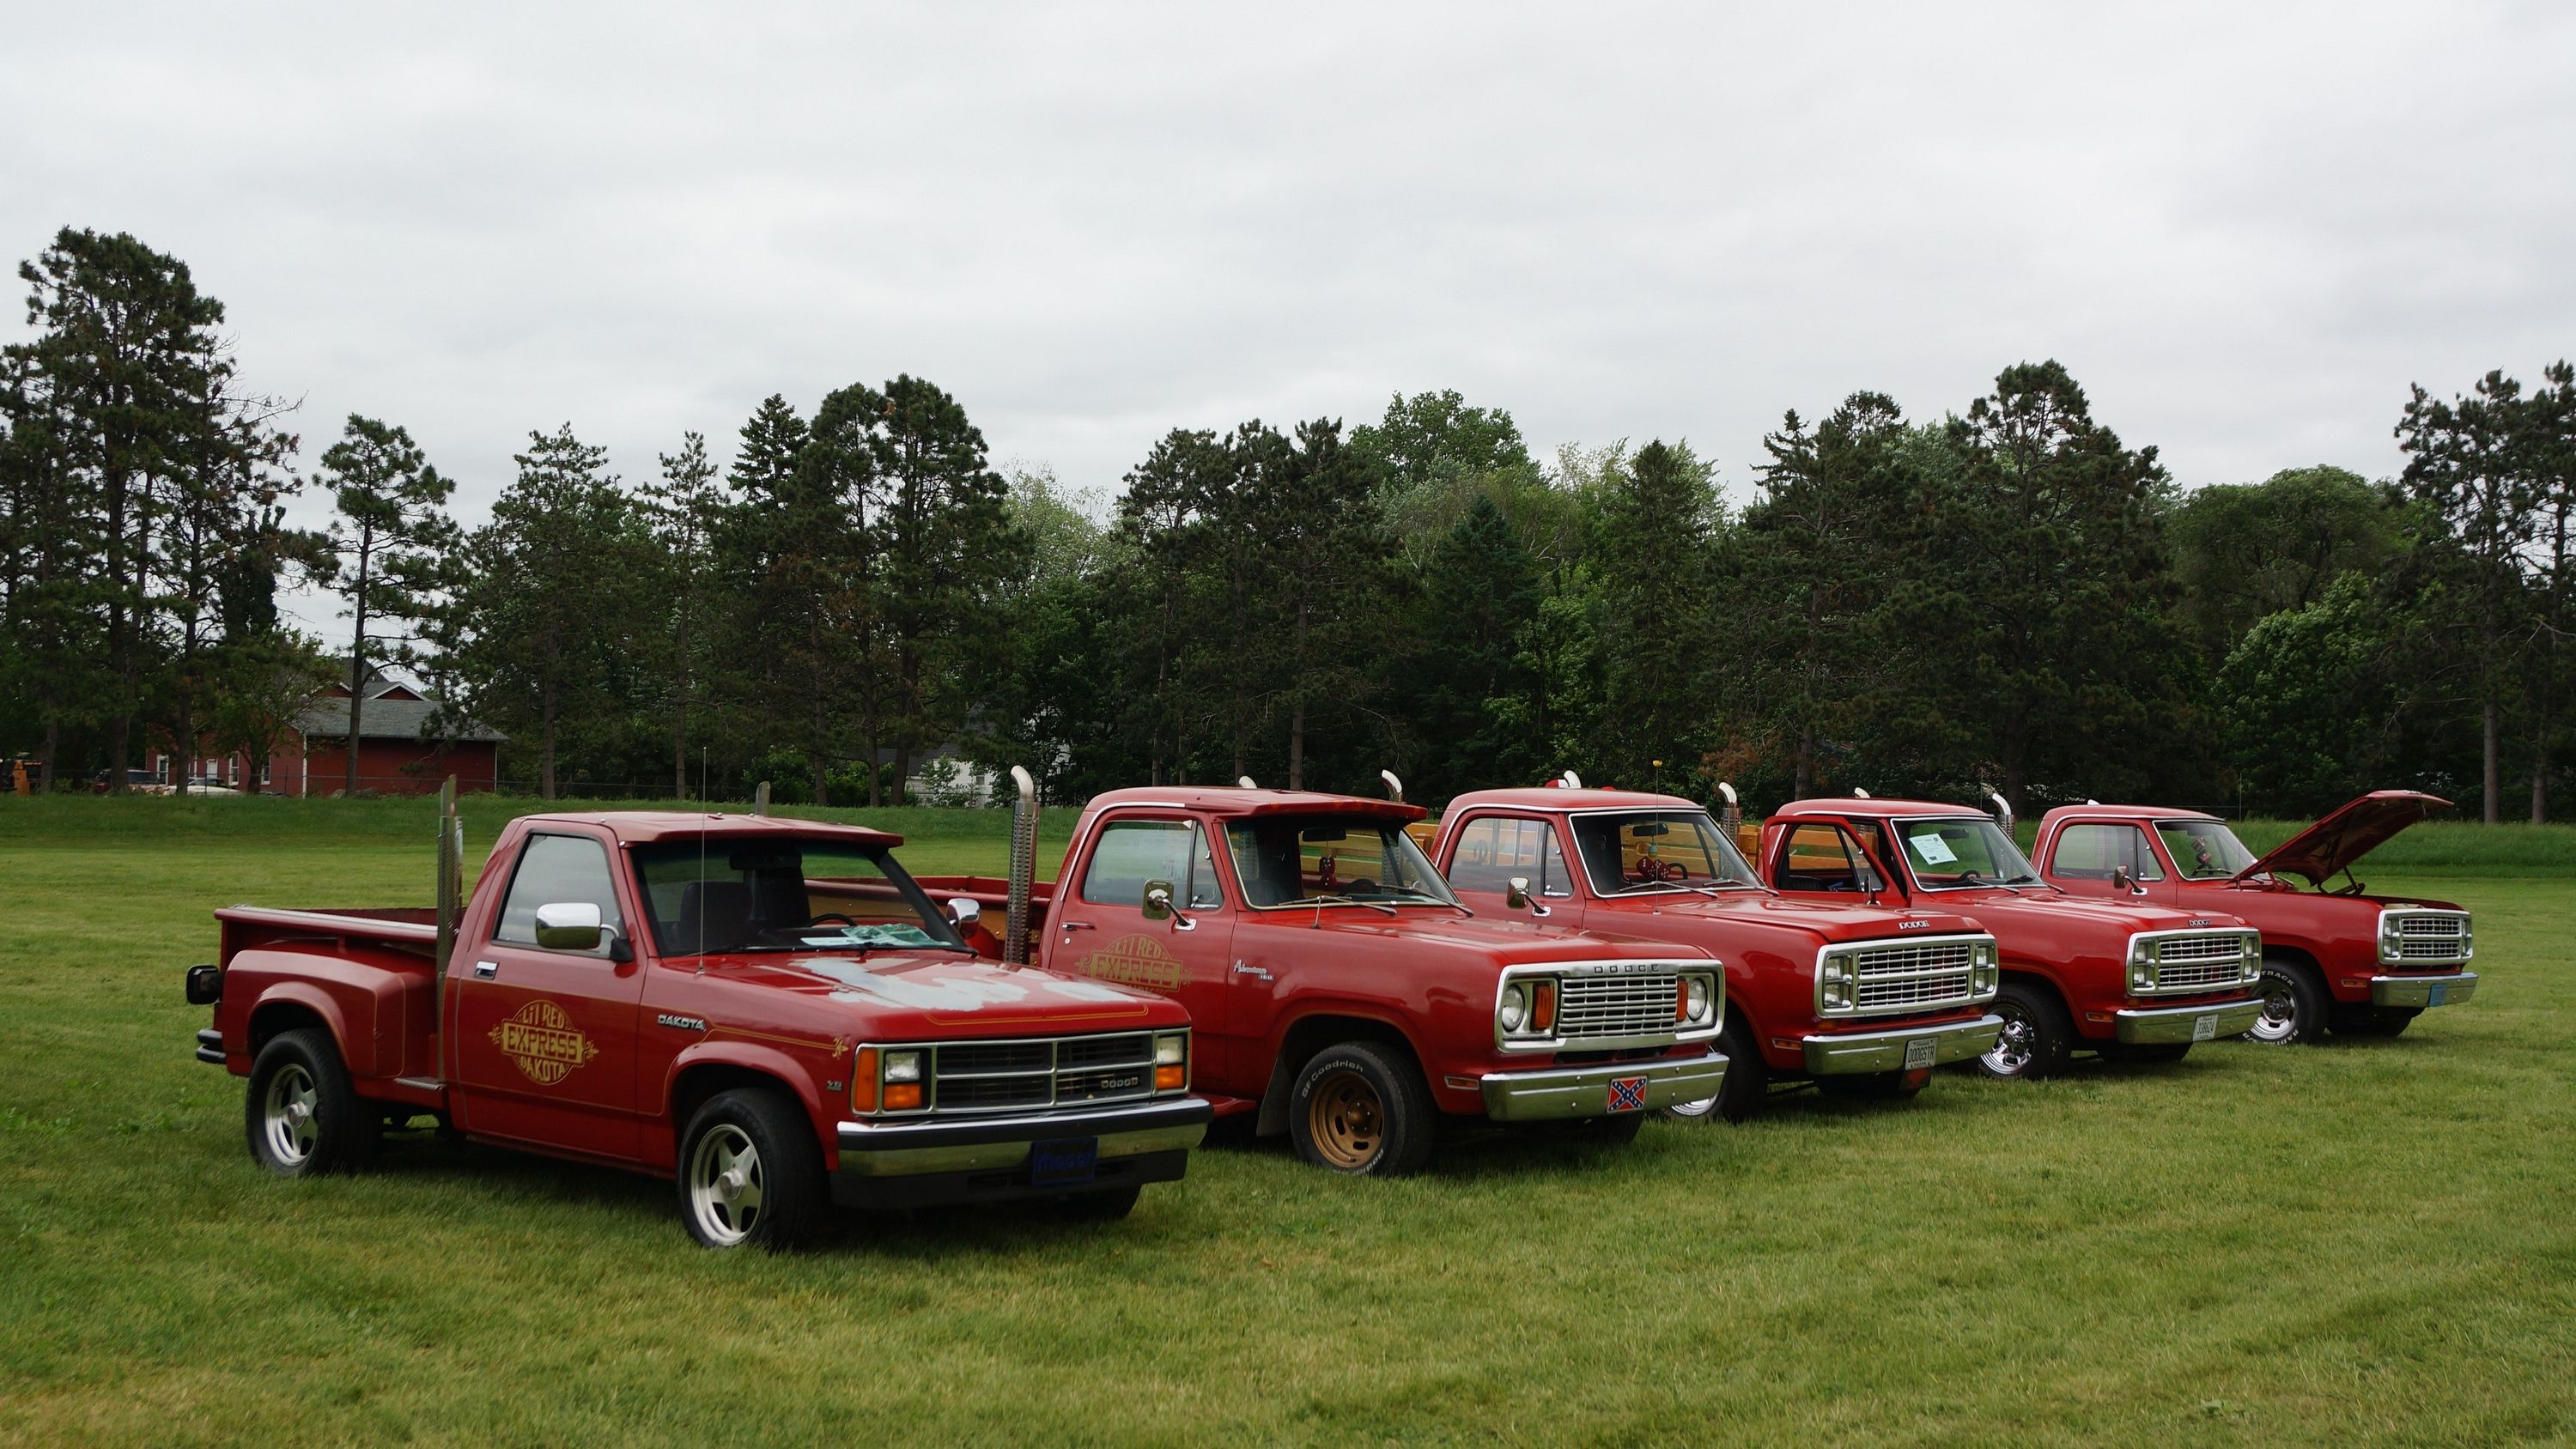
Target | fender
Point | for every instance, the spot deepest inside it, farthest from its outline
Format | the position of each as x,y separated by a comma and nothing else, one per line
752,1056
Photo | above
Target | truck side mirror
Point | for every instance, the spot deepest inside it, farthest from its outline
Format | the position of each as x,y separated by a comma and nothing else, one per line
1157,904
570,926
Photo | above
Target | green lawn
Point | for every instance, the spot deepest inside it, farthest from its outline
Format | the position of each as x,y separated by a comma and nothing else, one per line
2317,1245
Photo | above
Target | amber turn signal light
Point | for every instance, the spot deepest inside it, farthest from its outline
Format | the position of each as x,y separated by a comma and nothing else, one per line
902,1096
1171,1079
863,1081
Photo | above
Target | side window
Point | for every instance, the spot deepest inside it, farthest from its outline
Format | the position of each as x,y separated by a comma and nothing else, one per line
1818,858
2093,852
555,870
1495,848
1132,852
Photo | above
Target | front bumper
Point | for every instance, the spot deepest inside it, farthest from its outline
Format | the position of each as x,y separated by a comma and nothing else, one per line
927,1163
1562,1093
2448,989
1884,1051
2171,1025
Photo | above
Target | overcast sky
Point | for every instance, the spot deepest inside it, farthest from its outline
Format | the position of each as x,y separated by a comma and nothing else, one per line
2245,227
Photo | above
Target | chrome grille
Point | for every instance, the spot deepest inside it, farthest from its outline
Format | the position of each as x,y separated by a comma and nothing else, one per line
1911,976
1593,1007
2432,936
999,1076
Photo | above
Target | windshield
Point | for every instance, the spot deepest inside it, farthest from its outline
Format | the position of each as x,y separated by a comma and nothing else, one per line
2204,849
1967,851
1658,850
775,894
1287,860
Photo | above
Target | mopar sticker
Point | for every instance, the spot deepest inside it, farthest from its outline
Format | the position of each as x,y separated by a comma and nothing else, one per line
544,1042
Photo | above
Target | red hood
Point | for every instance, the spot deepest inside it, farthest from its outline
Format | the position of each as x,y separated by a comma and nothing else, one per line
1833,923
949,991
2325,849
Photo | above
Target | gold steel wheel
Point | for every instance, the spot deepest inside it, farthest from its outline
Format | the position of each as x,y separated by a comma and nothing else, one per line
1346,1121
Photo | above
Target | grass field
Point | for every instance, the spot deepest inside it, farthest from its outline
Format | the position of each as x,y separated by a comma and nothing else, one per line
2367,1242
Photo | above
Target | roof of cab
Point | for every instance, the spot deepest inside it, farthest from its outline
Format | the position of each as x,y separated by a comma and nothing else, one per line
639,827
1235,800
1872,805
1557,797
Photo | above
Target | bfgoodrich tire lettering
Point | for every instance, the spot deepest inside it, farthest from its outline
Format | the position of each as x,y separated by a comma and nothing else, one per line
750,1173
2037,1034
1361,1108
301,1115
2295,1004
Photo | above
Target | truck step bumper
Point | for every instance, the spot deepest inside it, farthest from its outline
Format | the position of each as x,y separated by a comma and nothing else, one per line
1562,1093
926,1163
1885,1051
2448,989
210,1046
2171,1025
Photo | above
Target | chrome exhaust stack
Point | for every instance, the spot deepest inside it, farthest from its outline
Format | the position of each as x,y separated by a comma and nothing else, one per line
1024,868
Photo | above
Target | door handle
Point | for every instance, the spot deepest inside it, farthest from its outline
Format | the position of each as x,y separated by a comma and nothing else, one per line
486,970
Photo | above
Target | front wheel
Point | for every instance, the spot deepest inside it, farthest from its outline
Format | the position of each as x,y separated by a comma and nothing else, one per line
1361,1108
301,1114
750,1172
2294,1004
2037,1035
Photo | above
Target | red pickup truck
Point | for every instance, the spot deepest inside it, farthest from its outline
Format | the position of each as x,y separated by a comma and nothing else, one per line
1859,999
2124,978
2345,960
1343,995
770,1011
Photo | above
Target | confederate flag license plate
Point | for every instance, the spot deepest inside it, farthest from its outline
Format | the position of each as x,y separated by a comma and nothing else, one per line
1627,1094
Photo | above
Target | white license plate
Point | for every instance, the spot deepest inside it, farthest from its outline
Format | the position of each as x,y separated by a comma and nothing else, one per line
2204,1029
1920,1051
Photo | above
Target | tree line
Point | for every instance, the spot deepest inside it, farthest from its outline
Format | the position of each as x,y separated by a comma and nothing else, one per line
2004,597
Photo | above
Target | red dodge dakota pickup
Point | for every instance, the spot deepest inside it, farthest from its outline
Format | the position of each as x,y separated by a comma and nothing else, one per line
770,1011
2346,960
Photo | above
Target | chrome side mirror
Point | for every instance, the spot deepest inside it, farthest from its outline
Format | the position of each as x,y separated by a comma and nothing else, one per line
1157,904
570,926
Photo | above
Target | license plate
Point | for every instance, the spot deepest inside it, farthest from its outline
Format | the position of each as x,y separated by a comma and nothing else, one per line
1056,1164
1627,1094
1920,1052
2434,993
2205,1029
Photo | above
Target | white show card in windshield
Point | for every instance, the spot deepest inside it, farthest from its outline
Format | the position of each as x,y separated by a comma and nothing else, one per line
1931,847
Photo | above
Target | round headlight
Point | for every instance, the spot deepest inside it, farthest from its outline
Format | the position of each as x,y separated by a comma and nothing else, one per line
1696,999
1515,1007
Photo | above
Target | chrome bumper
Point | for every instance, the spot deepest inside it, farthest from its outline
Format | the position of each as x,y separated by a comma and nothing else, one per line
2448,989
2169,1025
981,1144
1884,1051
1566,1092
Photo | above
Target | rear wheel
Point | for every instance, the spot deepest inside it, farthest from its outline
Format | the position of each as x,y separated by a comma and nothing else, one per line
2036,1037
2294,1004
1747,1079
1361,1108
301,1114
750,1172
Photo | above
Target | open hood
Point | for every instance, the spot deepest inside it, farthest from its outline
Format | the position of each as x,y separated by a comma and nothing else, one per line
2347,833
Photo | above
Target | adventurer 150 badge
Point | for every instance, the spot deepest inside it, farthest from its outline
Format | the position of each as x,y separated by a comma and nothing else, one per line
544,1042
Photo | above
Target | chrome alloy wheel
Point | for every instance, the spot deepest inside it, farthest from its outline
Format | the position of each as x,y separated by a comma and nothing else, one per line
725,1185
287,1115
2014,1045
2280,1019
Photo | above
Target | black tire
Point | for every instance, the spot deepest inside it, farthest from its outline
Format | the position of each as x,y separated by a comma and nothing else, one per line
2360,1019
756,1143
301,1115
2037,1036
1102,1207
1748,1079
2295,1005
2147,1053
1868,1087
1362,1108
